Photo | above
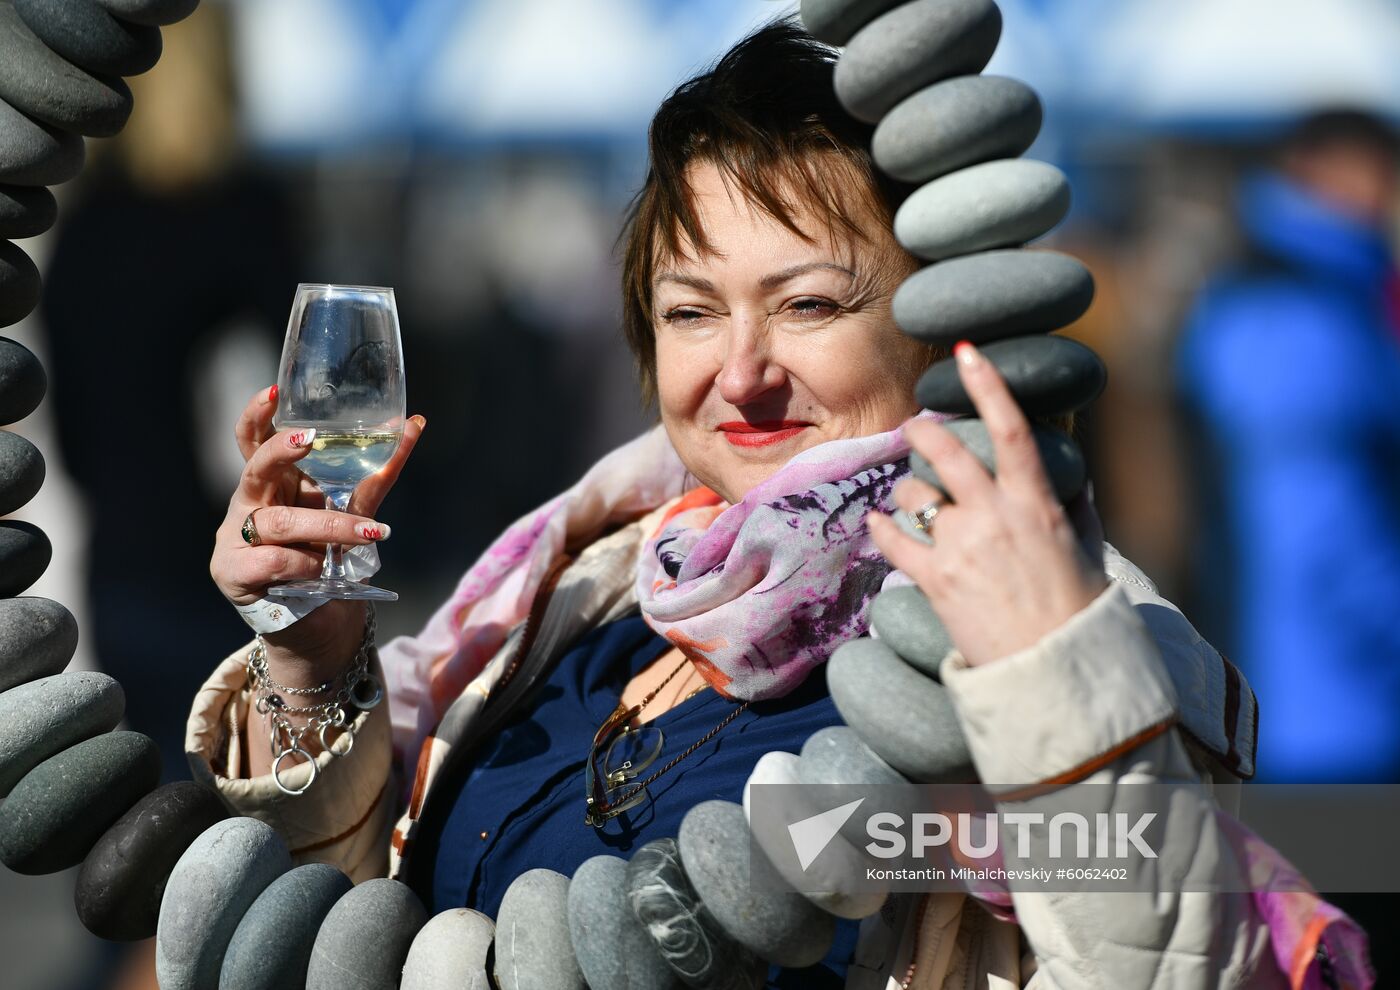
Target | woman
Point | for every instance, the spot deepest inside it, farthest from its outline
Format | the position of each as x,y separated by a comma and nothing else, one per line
758,278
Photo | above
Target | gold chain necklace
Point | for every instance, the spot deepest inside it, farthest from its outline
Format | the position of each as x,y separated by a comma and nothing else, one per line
602,807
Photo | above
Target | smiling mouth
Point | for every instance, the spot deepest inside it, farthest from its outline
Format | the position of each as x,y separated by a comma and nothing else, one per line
761,434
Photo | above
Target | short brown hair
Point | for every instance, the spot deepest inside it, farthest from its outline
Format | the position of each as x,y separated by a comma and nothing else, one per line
766,116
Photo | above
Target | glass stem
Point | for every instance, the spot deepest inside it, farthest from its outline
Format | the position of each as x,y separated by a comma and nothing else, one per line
333,569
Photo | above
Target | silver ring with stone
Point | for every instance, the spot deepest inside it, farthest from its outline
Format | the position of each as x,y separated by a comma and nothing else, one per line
277,770
923,518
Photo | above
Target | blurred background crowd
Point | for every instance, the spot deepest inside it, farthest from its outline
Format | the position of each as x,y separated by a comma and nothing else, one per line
1235,183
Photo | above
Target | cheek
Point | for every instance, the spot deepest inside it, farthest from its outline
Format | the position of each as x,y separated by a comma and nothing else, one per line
866,366
684,376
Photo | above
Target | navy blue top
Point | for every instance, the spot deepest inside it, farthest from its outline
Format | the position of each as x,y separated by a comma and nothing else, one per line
523,803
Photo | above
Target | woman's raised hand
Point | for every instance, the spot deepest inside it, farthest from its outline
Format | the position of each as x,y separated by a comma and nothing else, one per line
1008,564
290,515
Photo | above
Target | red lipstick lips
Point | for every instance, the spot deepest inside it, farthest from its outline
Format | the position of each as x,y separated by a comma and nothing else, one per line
761,434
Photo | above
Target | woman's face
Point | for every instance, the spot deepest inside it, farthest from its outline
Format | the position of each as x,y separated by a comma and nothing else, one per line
772,344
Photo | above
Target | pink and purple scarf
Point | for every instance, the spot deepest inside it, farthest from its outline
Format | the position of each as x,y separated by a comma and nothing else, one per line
757,593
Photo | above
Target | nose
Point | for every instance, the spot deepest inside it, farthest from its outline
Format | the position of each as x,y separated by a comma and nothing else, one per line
749,369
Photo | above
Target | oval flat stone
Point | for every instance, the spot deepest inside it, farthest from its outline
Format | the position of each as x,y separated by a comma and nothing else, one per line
992,205
55,814
47,716
271,946
779,925
533,947
906,718
89,36
610,944
1046,374
911,46
33,153
450,953
212,885
993,295
26,211
123,878
37,638
954,124
825,881
837,755
157,12
365,938
906,623
1064,463
685,933
19,284
834,21
22,381
25,551
37,80
21,472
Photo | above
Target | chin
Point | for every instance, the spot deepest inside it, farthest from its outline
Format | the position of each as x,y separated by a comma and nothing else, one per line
754,466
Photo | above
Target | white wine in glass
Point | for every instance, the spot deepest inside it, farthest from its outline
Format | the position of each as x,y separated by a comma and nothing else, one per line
342,373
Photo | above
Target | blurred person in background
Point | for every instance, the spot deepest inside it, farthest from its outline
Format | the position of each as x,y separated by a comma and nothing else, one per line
168,285
1290,373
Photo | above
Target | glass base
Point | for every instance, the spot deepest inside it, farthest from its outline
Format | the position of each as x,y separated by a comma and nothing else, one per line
350,590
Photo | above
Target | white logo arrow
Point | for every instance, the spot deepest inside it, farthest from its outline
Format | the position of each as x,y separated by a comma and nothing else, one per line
811,835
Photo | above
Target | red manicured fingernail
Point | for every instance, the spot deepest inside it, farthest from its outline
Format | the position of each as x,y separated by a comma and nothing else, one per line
373,531
272,394
966,354
302,438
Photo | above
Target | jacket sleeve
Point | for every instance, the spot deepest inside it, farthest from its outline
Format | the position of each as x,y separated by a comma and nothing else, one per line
1092,703
344,818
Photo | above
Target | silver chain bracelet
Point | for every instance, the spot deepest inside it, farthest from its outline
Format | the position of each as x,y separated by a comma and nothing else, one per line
358,689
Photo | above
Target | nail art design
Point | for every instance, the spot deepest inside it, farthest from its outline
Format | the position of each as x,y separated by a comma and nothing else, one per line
373,531
302,438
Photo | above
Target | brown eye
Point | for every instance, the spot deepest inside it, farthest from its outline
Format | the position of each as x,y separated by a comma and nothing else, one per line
681,316
814,307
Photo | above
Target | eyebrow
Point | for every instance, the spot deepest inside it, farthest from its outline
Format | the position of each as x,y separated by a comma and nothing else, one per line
771,281
788,274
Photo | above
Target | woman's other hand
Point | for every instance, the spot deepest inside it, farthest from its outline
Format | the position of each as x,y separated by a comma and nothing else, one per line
1009,564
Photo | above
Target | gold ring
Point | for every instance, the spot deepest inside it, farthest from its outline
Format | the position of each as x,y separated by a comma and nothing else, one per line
250,531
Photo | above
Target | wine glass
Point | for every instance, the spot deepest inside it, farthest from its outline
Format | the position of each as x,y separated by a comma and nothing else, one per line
342,373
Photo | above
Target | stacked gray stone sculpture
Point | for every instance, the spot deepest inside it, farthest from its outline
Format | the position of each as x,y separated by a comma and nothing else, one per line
534,950
123,879
911,70
271,947
610,944
687,936
827,880
365,938
67,776
777,925
450,953
212,886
